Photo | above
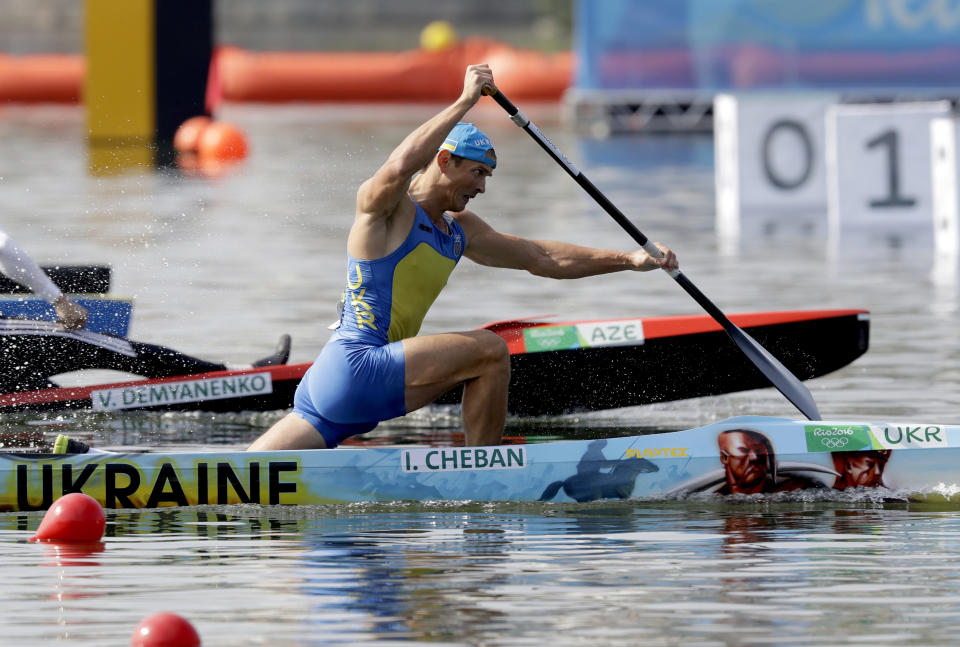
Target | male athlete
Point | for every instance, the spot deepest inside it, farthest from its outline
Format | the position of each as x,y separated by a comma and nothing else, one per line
410,229
32,351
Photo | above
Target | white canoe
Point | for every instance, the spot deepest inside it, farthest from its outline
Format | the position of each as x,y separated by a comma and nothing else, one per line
745,455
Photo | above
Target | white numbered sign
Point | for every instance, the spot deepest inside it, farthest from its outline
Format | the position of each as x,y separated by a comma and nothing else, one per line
878,175
769,163
944,178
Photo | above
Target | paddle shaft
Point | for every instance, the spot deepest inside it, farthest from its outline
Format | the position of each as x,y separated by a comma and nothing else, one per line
783,379
72,279
521,120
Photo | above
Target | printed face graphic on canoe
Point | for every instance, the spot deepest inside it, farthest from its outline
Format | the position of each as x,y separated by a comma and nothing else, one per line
748,459
750,465
860,469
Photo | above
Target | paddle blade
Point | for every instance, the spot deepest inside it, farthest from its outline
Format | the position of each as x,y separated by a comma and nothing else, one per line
786,382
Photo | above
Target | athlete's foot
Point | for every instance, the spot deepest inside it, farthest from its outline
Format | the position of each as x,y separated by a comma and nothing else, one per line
279,356
67,445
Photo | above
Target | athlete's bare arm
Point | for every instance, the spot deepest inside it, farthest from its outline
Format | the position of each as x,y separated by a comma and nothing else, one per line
549,258
15,263
384,211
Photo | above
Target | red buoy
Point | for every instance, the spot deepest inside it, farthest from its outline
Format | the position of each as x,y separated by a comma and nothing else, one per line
221,142
165,630
74,517
187,137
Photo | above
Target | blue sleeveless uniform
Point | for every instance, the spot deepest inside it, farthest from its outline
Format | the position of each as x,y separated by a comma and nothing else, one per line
358,378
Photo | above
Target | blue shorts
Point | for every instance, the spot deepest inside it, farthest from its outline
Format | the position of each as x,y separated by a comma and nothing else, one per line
351,387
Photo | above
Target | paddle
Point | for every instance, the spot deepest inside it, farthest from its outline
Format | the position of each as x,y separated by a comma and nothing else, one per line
777,373
72,279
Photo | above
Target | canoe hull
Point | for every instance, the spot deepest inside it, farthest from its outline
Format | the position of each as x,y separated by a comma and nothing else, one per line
894,460
698,360
556,368
260,389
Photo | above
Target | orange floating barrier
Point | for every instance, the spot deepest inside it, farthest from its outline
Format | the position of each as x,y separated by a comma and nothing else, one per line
51,78
527,75
237,75
399,77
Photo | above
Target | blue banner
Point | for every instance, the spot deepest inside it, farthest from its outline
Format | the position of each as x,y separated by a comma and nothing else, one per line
721,45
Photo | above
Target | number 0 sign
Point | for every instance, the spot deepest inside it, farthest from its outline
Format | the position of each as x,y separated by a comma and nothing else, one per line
769,168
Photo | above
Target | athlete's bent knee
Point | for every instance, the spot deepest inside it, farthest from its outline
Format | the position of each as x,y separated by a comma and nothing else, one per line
495,349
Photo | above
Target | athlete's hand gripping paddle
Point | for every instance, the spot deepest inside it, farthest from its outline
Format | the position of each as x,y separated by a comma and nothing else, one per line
787,383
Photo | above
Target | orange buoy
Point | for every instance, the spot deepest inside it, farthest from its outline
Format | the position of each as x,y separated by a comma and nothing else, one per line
74,517
222,142
165,630
187,137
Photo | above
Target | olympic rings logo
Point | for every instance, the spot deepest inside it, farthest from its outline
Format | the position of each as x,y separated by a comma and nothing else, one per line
835,443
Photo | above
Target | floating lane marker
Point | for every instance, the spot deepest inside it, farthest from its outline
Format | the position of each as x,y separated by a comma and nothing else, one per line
165,629
74,517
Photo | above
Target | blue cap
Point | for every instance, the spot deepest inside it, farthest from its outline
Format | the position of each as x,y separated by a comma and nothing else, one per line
466,140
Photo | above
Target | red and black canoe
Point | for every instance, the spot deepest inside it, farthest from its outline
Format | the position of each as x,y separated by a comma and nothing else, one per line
557,367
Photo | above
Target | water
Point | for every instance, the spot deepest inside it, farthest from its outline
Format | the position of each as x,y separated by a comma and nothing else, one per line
598,574
220,267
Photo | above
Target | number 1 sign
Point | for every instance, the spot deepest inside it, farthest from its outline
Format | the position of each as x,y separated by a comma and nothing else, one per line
878,166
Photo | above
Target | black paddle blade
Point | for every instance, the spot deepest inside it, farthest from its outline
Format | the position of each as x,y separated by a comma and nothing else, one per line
786,382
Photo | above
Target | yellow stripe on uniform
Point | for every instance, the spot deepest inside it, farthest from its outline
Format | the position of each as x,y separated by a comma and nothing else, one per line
417,280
